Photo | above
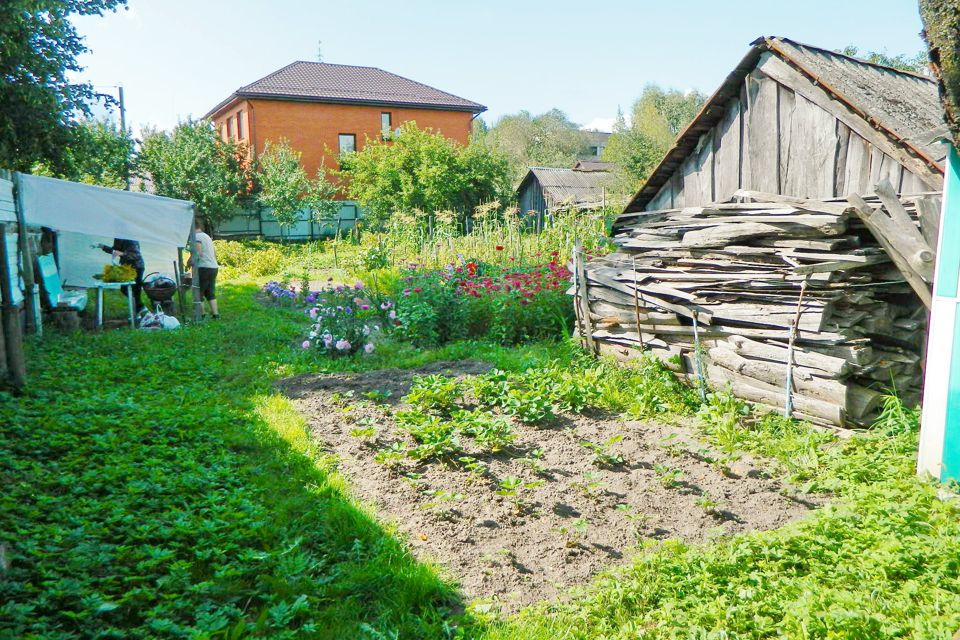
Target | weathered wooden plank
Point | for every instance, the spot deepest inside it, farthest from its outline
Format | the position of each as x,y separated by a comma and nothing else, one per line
840,159
808,151
857,172
883,167
928,210
865,211
759,153
729,233
772,395
726,160
831,366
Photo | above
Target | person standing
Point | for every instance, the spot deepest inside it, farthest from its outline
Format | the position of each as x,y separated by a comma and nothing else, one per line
206,261
128,251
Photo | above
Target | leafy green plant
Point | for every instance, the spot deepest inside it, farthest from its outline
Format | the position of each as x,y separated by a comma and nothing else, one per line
434,394
602,457
669,477
392,456
491,433
591,485
514,488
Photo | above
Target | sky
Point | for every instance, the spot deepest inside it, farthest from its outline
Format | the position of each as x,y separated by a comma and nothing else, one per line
178,58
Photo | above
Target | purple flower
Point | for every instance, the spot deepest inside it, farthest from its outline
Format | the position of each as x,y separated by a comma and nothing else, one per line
327,340
368,347
385,305
406,292
364,307
343,344
348,310
306,344
313,313
392,315
358,285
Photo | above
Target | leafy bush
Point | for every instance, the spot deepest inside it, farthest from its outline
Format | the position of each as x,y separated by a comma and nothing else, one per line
246,258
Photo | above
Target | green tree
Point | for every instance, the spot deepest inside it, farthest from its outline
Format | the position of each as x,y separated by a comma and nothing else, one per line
419,170
285,188
657,118
917,63
941,30
547,140
193,163
39,47
97,152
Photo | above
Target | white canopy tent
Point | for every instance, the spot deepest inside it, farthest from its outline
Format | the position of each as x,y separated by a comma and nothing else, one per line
80,213
82,208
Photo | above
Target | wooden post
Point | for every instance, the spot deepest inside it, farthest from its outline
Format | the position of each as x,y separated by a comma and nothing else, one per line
581,298
13,339
178,281
26,256
195,272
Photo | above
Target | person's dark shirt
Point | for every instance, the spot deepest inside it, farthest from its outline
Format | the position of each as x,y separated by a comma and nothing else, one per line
129,252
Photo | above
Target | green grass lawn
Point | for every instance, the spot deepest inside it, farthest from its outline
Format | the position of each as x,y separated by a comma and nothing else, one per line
154,485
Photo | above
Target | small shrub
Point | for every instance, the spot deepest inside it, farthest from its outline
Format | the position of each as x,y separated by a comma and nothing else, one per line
347,320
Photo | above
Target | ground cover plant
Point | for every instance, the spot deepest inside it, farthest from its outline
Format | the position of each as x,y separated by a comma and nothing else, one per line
156,486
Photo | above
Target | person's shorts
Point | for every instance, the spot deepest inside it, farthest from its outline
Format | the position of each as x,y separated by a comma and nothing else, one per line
208,283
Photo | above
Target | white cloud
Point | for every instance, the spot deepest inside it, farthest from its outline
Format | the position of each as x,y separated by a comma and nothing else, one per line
600,124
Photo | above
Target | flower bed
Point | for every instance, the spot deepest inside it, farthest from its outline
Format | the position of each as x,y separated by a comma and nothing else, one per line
347,320
508,304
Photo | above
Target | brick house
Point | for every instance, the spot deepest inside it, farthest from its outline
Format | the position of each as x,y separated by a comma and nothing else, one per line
325,110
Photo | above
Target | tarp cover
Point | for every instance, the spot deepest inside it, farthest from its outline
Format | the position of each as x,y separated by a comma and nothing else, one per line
100,211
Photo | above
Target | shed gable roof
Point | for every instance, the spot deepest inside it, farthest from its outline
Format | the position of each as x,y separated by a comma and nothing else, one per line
568,185
903,106
340,83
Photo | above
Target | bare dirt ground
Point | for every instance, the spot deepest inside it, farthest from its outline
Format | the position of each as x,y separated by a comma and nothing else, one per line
514,550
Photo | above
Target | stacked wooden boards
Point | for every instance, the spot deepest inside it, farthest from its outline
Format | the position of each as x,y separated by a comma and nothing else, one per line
727,284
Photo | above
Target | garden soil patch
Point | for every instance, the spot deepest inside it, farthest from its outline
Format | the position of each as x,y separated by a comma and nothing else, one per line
514,550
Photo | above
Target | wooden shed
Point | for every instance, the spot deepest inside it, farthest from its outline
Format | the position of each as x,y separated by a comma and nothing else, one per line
749,258
545,189
797,120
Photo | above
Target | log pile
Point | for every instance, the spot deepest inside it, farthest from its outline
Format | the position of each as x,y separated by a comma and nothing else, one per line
763,288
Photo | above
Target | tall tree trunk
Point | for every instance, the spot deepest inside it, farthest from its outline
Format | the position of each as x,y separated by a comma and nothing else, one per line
941,30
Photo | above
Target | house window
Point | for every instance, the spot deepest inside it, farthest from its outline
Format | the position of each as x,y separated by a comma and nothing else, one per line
230,128
386,124
348,143
239,125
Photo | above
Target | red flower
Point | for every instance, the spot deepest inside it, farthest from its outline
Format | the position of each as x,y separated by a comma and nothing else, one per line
417,289
498,248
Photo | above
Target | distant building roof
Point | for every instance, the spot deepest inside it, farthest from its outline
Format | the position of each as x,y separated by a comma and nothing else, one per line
569,186
340,83
596,137
594,165
903,106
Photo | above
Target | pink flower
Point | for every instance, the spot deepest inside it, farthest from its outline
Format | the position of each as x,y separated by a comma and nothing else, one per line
327,340
368,348
392,314
343,344
306,344
313,313
364,306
